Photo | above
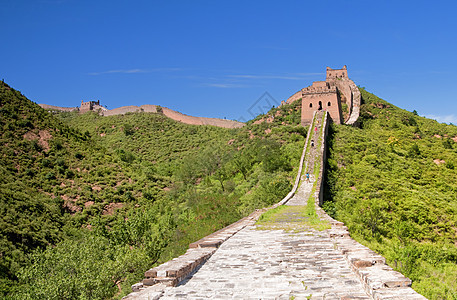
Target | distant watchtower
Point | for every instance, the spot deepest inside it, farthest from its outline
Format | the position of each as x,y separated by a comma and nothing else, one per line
88,106
339,73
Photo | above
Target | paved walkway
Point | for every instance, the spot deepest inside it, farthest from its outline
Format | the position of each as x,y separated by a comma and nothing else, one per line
266,264
284,259
273,264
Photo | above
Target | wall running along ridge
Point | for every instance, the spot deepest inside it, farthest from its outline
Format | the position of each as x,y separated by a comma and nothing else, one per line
174,115
378,279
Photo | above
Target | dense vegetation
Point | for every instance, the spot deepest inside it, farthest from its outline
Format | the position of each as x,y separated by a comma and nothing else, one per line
89,203
393,182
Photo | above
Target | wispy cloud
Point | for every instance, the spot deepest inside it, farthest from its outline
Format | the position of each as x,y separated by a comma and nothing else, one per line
225,85
299,76
131,71
134,71
443,119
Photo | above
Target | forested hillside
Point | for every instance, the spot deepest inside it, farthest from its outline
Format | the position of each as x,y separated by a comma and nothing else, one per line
394,183
89,203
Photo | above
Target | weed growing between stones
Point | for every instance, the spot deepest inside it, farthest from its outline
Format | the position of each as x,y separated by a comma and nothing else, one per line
291,219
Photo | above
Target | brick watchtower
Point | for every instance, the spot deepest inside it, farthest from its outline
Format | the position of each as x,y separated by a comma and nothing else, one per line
320,96
329,95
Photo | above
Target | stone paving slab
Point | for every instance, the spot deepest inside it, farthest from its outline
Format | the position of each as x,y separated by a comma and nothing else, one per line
273,264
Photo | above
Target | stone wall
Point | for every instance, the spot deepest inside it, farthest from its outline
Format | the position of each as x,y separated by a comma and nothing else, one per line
200,120
58,108
294,97
130,109
356,102
177,116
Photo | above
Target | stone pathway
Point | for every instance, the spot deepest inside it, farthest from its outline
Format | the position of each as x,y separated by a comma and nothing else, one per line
283,260
273,264
303,192
267,264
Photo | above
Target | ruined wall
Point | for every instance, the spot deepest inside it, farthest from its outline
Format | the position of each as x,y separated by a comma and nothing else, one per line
337,73
85,106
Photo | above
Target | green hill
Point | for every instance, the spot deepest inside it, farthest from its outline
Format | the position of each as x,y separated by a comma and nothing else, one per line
393,182
88,203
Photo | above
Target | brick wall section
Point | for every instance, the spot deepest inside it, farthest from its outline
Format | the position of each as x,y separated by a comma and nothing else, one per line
177,116
200,120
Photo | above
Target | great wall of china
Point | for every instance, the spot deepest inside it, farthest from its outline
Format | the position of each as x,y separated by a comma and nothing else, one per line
177,116
330,95
288,260
243,261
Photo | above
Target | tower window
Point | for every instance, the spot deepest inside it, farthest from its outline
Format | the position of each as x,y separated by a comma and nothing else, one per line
310,105
329,104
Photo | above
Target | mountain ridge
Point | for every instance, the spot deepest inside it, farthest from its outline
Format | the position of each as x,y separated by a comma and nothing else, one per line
151,108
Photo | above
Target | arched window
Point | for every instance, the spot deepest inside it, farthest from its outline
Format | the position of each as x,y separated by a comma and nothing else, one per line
320,105
310,105
329,104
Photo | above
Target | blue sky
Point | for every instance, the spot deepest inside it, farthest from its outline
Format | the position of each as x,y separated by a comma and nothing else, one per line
216,58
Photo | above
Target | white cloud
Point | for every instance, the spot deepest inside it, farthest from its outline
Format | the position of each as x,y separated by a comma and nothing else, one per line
443,119
133,71
298,76
225,85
